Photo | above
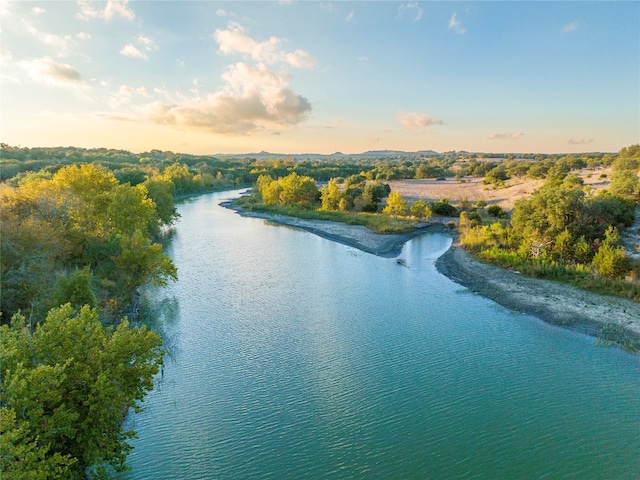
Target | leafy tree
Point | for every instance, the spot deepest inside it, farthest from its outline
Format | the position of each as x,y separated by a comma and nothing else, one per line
396,205
496,175
331,195
496,211
66,385
299,190
420,209
80,217
611,261
75,288
443,208
162,193
292,189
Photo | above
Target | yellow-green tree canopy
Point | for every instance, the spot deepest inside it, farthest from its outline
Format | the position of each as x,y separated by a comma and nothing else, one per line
80,217
396,205
293,189
66,385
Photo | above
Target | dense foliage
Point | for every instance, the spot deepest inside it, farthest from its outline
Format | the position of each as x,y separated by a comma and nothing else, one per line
565,232
66,384
79,219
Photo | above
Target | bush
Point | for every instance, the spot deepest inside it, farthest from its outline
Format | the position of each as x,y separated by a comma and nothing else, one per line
496,211
443,208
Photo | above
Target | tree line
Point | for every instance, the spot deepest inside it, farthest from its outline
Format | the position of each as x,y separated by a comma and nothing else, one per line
76,246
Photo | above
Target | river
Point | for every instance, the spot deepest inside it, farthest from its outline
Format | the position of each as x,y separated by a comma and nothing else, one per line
296,357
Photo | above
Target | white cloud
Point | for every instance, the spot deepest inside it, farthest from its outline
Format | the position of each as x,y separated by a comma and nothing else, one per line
251,99
456,25
415,120
119,8
410,10
147,43
235,40
49,72
570,27
349,17
363,59
38,10
506,136
221,12
83,36
112,9
580,141
61,43
131,51
125,94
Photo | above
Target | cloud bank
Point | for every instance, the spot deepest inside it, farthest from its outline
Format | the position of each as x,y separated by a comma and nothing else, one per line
47,71
252,99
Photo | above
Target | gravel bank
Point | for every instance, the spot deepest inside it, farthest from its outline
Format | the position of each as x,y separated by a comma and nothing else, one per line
550,301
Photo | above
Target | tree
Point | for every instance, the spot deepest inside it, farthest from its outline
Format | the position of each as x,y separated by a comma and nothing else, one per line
563,245
75,288
611,261
66,385
420,209
80,217
330,195
396,205
496,211
162,192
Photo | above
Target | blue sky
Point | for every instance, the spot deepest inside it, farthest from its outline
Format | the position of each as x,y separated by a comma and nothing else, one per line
301,76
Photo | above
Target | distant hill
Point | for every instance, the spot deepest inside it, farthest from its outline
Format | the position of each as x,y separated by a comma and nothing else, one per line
318,156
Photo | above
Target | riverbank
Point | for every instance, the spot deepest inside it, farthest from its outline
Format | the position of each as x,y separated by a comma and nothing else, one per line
356,236
611,319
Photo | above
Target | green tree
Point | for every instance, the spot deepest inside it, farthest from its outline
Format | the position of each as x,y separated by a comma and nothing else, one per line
66,385
330,195
496,211
162,193
420,209
75,288
396,205
297,189
611,261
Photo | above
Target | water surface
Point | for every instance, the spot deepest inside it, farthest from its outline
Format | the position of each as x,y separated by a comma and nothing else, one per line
296,357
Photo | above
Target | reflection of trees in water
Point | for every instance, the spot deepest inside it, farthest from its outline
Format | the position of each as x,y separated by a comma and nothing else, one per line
165,236
160,316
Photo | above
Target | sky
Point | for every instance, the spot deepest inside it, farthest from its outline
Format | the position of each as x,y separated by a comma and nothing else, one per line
321,77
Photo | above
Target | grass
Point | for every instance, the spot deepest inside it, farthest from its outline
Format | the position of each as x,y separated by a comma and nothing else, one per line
376,222
579,276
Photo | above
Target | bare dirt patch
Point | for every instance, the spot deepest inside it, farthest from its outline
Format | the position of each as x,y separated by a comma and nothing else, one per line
472,189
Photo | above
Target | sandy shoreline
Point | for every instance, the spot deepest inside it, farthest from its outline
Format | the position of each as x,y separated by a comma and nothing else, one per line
356,236
553,302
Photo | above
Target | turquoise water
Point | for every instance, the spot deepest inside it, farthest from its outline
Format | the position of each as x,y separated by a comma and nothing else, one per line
296,357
